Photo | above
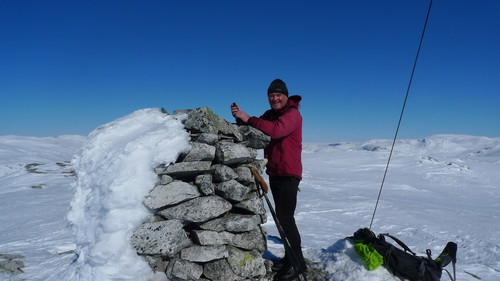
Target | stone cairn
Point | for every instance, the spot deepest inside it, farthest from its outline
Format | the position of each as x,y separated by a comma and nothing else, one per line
207,212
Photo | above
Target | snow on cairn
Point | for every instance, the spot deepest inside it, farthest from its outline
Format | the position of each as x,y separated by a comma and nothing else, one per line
115,170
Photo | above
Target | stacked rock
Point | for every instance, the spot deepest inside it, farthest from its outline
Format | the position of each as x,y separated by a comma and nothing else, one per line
208,214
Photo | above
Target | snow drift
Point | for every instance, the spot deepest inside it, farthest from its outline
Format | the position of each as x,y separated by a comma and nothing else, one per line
114,174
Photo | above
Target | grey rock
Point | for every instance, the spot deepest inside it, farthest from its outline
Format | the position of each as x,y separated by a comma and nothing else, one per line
165,238
219,271
197,253
205,184
254,138
208,138
157,264
259,164
223,173
252,240
234,153
233,223
205,121
166,179
10,263
253,191
11,256
181,111
187,169
160,169
200,209
244,175
179,269
246,263
173,193
232,190
253,205
209,237
200,152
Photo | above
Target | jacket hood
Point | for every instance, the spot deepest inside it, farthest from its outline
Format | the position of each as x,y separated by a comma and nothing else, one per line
294,101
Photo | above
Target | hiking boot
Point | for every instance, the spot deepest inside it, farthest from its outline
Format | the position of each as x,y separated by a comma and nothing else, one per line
277,265
288,272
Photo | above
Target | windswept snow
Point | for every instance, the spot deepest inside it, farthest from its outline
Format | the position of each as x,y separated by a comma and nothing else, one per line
115,173
438,189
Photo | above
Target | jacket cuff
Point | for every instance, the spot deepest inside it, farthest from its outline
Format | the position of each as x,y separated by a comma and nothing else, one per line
252,121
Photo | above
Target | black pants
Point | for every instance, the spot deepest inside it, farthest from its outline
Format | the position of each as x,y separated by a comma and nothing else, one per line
284,190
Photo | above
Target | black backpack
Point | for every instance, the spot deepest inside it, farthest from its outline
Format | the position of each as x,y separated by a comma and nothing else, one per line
404,263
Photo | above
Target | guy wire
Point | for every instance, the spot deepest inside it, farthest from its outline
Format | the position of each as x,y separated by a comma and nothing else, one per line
402,111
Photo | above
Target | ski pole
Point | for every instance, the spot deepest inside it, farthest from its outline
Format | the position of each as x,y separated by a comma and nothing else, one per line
262,190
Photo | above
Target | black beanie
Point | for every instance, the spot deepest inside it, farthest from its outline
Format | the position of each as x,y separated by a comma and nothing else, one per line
277,86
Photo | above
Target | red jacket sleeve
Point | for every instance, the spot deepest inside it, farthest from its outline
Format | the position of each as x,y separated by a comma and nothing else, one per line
281,127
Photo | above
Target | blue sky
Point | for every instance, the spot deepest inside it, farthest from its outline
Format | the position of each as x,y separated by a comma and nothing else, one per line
69,66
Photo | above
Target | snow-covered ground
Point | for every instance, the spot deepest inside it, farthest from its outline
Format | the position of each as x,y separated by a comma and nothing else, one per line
438,189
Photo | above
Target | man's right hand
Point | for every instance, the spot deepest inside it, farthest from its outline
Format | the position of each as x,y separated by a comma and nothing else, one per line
234,109
239,114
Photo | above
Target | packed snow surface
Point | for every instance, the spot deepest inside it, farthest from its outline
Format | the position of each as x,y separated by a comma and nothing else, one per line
69,204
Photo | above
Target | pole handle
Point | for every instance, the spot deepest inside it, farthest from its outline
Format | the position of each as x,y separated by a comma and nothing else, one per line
260,181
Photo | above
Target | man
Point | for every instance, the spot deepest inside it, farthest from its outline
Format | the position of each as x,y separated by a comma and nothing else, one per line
283,123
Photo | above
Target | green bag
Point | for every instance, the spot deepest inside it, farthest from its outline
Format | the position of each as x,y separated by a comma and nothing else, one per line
367,253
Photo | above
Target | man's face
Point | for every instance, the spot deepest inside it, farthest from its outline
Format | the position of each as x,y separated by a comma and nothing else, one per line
277,100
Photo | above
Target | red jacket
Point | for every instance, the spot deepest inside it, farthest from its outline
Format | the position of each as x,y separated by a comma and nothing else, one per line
285,129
